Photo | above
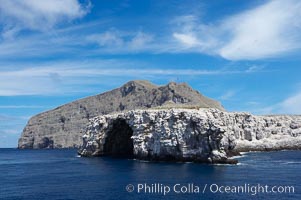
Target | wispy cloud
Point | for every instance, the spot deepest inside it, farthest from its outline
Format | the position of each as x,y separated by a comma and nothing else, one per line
290,105
5,117
255,68
20,106
118,41
269,30
228,95
75,76
10,129
38,15
188,40
8,123
83,41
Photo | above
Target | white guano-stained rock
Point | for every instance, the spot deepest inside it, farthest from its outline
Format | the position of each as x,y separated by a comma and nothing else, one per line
201,135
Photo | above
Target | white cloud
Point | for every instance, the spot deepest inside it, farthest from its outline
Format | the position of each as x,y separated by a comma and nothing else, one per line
108,38
140,40
187,39
76,41
37,14
118,41
268,30
10,131
228,95
291,105
76,76
255,68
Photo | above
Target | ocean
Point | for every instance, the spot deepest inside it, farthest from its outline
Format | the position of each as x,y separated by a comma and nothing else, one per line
61,174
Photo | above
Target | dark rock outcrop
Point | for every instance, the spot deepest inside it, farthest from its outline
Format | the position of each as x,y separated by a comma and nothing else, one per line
63,127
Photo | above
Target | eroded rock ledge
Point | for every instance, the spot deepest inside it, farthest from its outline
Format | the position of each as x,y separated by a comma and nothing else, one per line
199,135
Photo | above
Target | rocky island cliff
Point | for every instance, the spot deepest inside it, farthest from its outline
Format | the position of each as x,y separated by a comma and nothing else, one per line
170,122
199,135
64,126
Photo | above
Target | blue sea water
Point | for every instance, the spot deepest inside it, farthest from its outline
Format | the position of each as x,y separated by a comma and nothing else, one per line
60,174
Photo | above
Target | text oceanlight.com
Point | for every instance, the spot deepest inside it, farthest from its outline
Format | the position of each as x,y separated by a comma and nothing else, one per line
191,188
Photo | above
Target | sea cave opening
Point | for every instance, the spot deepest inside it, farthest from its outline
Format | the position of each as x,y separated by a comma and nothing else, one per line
118,142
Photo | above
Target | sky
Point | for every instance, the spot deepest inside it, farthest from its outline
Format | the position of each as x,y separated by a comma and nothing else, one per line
246,54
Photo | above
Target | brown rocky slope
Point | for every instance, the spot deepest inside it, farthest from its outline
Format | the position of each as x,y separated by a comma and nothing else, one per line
64,126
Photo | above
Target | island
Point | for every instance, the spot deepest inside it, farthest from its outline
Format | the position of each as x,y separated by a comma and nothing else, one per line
172,122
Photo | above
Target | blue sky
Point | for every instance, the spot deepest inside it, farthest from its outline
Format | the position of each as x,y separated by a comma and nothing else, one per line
246,54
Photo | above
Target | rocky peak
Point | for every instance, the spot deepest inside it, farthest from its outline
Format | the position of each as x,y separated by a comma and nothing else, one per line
174,85
135,86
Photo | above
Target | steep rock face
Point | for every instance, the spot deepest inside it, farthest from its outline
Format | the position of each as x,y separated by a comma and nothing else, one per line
202,135
64,126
